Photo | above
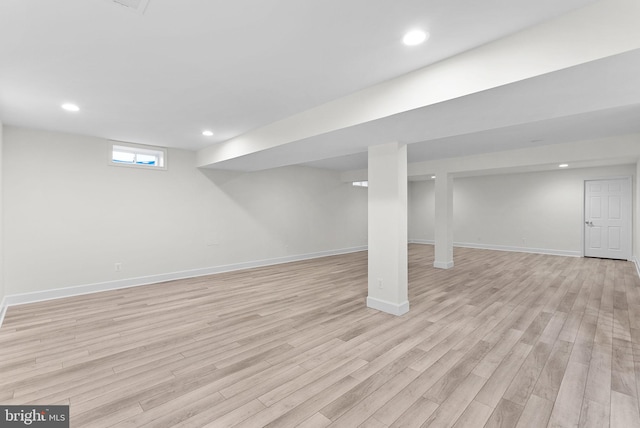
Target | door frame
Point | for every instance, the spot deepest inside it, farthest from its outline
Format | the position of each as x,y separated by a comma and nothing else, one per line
629,222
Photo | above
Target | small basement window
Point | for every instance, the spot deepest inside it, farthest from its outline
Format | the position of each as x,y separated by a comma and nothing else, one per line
127,154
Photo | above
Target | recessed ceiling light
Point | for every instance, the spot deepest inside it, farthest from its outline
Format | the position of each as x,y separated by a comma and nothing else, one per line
207,133
70,107
433,176
414,37
563,165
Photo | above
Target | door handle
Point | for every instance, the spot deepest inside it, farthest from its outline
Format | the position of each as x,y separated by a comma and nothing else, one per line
588,223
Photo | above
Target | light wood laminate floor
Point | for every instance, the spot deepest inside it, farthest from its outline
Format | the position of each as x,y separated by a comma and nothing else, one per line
502,339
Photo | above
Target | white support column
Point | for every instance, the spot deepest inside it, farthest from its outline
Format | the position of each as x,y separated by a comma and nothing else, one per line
444,221
388,263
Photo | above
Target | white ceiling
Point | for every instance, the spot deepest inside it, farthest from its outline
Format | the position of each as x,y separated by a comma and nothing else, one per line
183,66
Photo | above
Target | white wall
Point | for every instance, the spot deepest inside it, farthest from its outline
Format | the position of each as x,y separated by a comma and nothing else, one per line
534,211
69,216
421,207
1,234
636,217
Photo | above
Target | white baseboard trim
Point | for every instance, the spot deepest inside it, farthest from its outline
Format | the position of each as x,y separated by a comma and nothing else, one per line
443,265
39,296
566,253
422,241
388,307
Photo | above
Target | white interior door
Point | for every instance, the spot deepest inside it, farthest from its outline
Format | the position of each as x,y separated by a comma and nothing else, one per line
607,219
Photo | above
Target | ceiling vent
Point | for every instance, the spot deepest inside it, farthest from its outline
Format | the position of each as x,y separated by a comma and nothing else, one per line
138,6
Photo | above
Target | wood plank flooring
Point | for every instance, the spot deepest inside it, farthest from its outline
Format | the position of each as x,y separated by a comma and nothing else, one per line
501,340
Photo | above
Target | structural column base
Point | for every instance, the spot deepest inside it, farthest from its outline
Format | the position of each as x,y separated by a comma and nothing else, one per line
443,265
388,307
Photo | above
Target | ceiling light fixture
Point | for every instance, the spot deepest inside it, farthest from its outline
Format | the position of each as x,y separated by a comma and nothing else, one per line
433,176
414,37
70,107
563,165
207,133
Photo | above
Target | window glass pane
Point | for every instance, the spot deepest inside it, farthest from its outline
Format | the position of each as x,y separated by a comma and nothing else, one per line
123,157
138,156
146,159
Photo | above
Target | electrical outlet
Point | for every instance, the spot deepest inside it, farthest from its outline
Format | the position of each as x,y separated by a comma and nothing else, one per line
379,282
118,267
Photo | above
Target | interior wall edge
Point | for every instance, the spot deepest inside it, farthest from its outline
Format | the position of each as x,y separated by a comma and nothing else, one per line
59,293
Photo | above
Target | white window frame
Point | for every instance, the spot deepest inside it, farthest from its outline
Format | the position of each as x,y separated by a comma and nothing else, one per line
137,149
